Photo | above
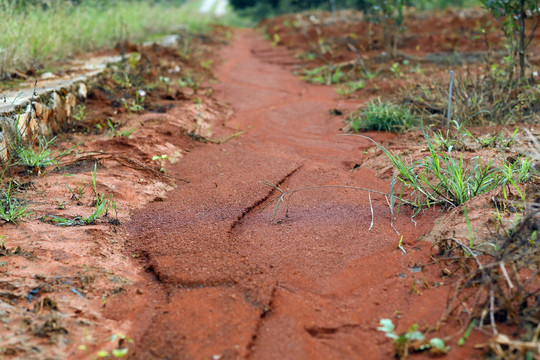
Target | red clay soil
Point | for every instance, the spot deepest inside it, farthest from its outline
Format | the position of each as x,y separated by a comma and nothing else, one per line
315,284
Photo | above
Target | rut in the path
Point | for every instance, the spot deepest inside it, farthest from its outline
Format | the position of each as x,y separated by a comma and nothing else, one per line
313,285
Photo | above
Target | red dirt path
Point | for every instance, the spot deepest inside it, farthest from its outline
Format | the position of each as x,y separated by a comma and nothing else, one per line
313,285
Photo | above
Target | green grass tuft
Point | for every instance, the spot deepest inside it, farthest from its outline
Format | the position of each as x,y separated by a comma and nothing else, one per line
382,116
446,178
11,209
36,158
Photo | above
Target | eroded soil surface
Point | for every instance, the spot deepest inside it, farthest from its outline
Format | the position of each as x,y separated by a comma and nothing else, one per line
211,267
313,284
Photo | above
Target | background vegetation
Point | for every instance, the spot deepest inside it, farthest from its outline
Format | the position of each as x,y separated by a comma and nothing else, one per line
53,30
258,9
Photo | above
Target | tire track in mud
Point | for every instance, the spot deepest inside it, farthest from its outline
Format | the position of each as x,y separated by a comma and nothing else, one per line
313,285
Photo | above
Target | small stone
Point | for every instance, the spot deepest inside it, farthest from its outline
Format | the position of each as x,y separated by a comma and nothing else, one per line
47,75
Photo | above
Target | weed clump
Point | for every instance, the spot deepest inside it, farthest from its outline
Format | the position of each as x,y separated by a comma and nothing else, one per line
382,116
446,178
11,209
41,157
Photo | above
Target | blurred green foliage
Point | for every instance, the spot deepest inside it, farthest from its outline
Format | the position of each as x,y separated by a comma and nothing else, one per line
260,9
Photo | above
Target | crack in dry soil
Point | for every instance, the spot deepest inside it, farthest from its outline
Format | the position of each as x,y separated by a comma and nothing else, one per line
264,314
262,200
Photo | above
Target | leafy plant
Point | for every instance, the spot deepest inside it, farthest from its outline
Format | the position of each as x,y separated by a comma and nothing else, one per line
350,87
454,138
389,13
513,16
165,80
396,69
119,352
324,75
207,64
382,116
77,195
412,339
80,112
161,159
275,40
498,140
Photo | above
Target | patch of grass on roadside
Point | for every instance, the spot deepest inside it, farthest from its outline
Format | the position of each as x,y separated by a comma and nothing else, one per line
61,29
382,116
448,179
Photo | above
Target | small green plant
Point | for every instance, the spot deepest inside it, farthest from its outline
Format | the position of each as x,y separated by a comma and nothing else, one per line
467,333
60,205
207,64
390,14
137,104
453,138
114,132
165,80
309,56
498,140
122,80
412,339
395,68
350,87
275,40
101,203
119,352
191,81
79,113
382,116
35,158
324,75
513,17
11,209
161,159
77,195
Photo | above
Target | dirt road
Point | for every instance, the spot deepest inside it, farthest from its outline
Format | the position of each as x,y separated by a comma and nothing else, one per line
233,283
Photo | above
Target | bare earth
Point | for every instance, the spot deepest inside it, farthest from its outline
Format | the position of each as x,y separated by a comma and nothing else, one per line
311,285
202,269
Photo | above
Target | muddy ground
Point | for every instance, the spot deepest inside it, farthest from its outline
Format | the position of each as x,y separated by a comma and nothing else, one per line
197,262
